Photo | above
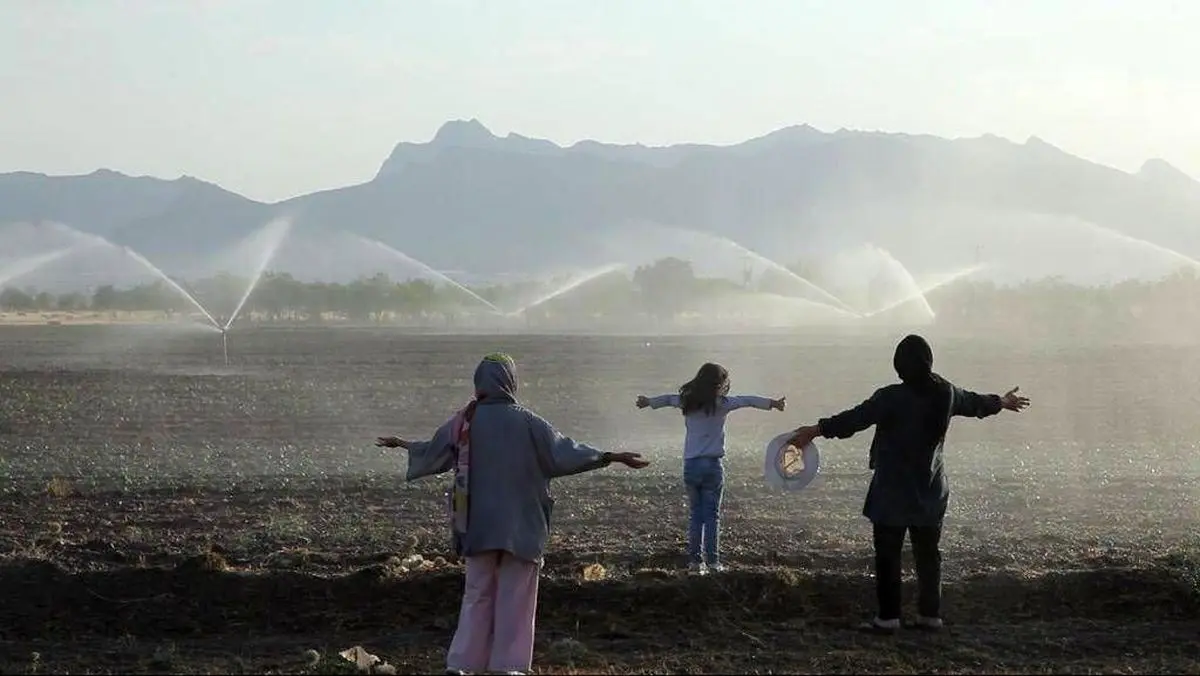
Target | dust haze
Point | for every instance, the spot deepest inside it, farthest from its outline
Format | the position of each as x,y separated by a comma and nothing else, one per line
206,411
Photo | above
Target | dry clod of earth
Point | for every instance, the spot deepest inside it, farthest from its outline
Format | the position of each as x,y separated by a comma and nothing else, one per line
208,562
566,651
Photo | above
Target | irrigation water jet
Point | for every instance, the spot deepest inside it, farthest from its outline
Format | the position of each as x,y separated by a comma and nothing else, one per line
830,299
921,291
30,264
569,286
412,261
1130,239
895,265
24,266
175,285
779,310
276,231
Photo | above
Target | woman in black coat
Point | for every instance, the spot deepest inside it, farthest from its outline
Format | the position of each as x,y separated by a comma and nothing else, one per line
908,492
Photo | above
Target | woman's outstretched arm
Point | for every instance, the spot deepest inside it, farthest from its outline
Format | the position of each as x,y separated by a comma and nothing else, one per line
843,425
561,455
969,404
426,458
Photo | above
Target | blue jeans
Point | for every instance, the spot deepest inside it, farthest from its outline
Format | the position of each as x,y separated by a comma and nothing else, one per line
705,481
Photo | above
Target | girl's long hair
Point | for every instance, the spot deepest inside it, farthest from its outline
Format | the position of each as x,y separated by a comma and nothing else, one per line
703,392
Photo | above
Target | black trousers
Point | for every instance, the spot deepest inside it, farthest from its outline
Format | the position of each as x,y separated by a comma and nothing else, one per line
889,545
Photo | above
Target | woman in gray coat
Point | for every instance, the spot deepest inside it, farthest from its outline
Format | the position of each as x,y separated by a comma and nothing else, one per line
503,456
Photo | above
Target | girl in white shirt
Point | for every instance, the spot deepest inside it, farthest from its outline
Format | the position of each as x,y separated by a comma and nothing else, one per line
705,402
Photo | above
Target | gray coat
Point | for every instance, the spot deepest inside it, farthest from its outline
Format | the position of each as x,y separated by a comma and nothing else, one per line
514,455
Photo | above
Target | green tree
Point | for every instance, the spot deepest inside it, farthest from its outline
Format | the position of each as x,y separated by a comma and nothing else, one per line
277,295
44,300
105,297
665,286
14,299
72,301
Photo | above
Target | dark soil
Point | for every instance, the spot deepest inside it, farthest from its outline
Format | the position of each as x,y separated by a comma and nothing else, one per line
160,513
114,583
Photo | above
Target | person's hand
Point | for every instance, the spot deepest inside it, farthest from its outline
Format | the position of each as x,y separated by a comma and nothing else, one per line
631,460
1013,401
805,435
642,401
779,404
390,442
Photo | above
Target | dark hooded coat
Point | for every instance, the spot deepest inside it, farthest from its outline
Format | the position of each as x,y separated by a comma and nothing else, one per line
909,486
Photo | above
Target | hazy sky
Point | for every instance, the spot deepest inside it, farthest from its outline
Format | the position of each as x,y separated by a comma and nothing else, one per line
274,98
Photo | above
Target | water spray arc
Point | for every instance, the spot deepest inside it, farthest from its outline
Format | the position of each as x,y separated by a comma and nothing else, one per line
921,291
30,264
808,305
828,298
1130,239
276,231
174,285
899,267
396,253
569,286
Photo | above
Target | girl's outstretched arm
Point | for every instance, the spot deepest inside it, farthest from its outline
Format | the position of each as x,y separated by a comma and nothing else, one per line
661,401
751,401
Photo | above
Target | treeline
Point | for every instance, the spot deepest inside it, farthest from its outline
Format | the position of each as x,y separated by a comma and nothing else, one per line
276,297
1164,310
663,290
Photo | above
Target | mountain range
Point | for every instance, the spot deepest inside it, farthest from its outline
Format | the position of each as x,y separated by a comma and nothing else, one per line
471,200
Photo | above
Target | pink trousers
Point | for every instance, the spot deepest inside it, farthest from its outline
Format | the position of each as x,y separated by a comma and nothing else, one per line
495,624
